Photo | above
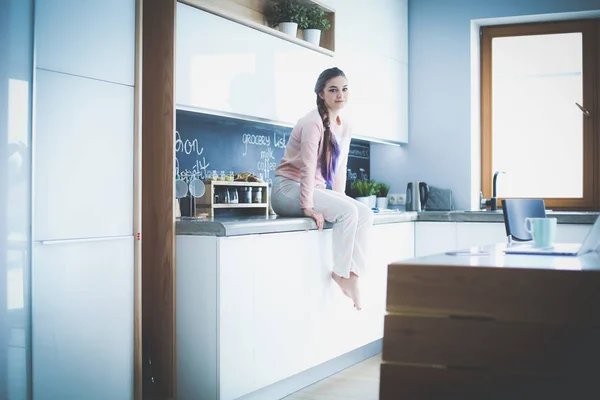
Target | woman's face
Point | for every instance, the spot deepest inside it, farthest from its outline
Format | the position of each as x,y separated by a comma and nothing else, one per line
335,93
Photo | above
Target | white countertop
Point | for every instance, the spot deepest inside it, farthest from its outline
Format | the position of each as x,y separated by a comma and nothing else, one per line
494,257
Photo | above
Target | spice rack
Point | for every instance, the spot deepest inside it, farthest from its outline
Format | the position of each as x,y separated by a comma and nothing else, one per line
209,203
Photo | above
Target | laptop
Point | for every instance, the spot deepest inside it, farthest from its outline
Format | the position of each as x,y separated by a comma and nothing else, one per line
591,243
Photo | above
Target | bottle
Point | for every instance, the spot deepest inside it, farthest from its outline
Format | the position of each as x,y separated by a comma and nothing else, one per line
257,195
233,196
248,194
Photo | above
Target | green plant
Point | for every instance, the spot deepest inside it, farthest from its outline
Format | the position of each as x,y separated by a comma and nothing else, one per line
289,11
316,19
363,188
382,189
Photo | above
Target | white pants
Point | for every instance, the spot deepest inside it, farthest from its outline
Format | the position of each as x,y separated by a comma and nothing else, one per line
352,222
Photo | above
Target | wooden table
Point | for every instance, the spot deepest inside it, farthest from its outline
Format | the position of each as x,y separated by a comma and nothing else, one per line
491,325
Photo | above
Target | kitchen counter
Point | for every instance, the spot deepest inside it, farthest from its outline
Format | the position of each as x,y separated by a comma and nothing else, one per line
563,217
235,226
511,326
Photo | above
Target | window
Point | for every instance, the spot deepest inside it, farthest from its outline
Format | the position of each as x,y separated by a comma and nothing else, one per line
539,107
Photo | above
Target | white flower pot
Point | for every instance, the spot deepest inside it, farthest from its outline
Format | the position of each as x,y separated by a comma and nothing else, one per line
312,36
372,201
365,200
382,203
289,28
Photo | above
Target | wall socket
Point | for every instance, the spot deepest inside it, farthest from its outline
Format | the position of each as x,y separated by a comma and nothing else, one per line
397,199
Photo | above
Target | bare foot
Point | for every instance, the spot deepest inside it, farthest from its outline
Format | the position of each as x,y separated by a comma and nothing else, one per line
349,287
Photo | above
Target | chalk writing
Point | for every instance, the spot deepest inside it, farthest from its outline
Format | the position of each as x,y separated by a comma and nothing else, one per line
359,151
188,147
255,140
267,162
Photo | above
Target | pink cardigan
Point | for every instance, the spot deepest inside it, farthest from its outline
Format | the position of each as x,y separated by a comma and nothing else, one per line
301,161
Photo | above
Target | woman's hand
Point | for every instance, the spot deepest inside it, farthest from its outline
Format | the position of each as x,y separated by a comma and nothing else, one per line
318,217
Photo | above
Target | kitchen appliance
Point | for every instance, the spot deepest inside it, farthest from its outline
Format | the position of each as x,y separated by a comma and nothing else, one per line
439,199
417,194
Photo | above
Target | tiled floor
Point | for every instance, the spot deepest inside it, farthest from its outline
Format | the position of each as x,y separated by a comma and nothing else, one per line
359,382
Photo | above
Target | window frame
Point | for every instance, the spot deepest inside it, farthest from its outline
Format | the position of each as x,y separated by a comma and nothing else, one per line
590,29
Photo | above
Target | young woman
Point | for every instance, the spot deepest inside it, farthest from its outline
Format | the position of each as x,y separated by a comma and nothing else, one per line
316,157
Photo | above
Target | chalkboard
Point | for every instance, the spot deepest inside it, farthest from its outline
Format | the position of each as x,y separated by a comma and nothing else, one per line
205,142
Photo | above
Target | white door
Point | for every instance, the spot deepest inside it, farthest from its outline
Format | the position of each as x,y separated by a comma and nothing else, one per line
82,318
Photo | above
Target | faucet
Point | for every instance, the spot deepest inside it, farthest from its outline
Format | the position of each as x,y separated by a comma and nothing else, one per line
494,199
493,202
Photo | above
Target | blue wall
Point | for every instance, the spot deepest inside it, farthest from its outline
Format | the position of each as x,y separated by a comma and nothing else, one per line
443,147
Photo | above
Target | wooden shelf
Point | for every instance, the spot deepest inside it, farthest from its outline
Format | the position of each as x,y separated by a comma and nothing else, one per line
240,205
235,183
254,14
207,202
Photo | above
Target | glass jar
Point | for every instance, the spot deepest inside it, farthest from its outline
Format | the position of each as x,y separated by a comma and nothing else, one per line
257,198
233,195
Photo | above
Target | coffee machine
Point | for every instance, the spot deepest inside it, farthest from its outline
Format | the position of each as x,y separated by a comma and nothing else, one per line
416,196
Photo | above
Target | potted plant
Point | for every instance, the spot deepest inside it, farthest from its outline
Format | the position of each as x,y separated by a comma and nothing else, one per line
315,22
382,190
364,190
288,15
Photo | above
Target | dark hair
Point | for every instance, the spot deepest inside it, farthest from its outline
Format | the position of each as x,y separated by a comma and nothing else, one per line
331,149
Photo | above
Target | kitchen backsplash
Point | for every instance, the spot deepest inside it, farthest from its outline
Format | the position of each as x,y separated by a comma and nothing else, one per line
207,142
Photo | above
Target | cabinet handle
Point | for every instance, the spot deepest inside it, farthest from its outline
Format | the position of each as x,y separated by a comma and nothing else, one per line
92,239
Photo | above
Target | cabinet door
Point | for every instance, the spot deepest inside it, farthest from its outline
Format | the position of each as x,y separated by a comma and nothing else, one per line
375,94
434,237
237,267
95,39
83,182
472,234
283,284
82,318
245,72
390,242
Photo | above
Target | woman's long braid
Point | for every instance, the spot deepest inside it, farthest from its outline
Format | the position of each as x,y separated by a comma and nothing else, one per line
330,151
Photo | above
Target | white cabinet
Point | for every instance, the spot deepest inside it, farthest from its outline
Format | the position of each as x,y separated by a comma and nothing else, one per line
257,309
470,234
82,318
435,237
388,37
238,262
378,86
376,63
284,288
83,158
245,71
95,39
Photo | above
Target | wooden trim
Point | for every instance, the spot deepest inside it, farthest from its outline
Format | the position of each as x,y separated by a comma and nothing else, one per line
486,114
510,347
137,210
158,228
247,16
503,294
421,382
591,142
